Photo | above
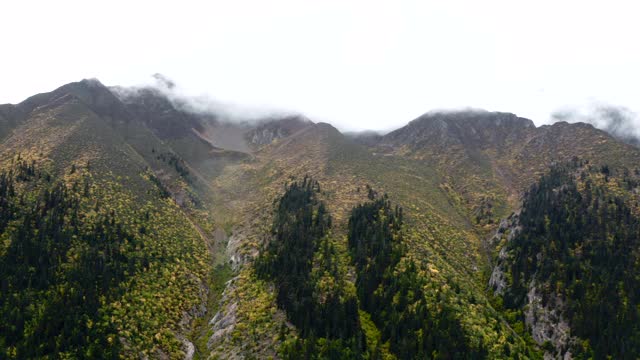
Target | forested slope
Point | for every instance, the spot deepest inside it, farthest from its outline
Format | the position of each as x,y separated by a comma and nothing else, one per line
100,256
573,252
132,226
362,294
89,272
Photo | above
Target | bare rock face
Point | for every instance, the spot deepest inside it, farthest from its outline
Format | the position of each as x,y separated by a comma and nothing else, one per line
190,349
271,130
223,323
507,230
266,135
498,281
545,322
197,311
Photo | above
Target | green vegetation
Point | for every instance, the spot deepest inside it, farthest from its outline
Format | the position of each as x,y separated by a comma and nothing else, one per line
302,262
87,272
173,160
200,331
578,243
107,236
395,309
393,294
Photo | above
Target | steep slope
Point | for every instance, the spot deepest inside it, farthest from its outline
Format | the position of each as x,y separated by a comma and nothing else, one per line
198,138
269,130
567,262
468,149
450,174
440,242
89,91
154,151
8,119
72,144
488,159
154,109
325,245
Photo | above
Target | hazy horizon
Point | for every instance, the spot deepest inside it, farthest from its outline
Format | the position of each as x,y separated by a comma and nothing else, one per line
357,65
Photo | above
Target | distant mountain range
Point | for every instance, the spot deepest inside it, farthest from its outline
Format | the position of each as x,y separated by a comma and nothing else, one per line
133,226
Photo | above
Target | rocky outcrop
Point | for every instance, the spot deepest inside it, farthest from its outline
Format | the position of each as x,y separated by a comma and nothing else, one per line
544,321
498,281
266,135
507,230
223,323
185,324
271,130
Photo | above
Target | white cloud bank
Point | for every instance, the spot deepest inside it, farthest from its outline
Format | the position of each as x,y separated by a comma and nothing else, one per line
357,64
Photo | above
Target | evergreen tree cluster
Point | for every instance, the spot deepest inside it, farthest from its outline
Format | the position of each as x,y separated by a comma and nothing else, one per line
327,319
391,291
178,164
58,266
394,294
162,190
579,243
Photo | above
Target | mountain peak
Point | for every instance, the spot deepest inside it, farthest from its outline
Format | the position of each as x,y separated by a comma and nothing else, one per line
473,118
116,179
274,128
471,128
91,92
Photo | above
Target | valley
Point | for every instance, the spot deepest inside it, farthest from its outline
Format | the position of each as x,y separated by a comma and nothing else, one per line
142,228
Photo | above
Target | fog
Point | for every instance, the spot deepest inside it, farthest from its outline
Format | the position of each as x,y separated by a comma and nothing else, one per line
619,121
199,104
356,64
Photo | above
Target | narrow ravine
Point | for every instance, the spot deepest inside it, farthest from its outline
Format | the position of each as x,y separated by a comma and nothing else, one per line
201,331
221,272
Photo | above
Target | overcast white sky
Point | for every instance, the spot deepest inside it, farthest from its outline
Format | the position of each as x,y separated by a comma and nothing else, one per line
356,64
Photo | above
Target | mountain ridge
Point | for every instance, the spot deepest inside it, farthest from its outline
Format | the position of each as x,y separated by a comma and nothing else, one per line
455,175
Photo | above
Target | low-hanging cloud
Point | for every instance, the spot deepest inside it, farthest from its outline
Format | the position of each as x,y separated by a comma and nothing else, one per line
200,104
619,121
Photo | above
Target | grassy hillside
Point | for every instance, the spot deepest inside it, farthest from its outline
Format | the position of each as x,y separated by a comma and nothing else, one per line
108,243
443,237
188,245
91,269
438,238
487,160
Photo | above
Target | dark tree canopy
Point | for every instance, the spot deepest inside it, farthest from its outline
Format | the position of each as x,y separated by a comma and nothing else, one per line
579,242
